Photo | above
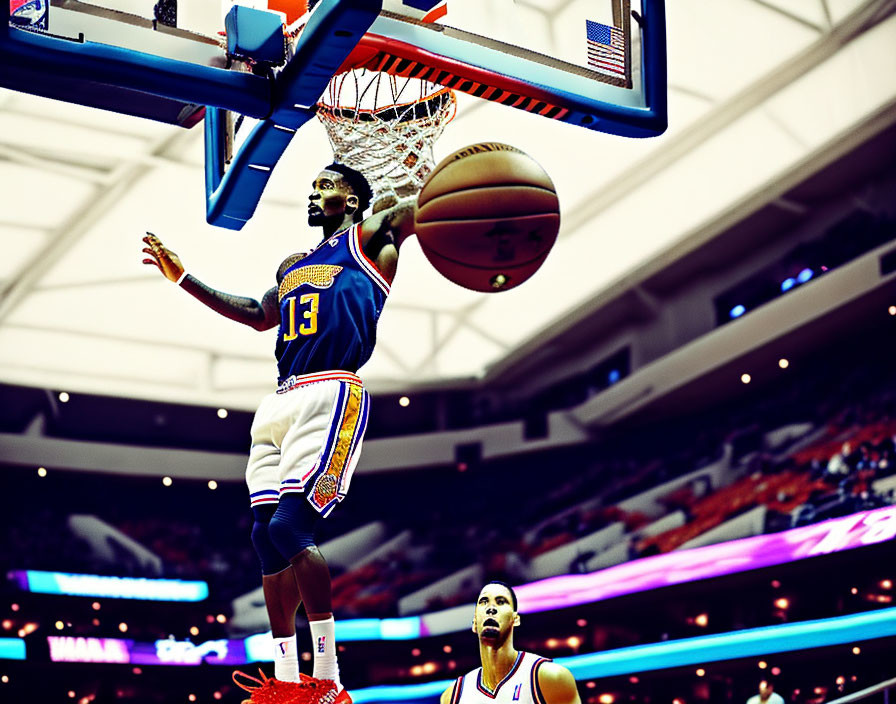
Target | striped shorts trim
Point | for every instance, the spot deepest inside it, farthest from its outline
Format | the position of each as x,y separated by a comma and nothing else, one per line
327,481
297,380
306,438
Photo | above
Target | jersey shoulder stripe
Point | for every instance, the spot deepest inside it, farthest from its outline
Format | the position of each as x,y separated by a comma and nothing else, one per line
458,688
537,694
357,252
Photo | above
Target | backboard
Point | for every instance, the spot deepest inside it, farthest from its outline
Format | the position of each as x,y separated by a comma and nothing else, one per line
598,64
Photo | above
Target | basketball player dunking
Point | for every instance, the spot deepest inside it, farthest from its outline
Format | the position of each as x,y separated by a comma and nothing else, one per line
507,675
307,435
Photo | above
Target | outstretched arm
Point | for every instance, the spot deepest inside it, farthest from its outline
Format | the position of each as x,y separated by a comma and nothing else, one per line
261,316
557,684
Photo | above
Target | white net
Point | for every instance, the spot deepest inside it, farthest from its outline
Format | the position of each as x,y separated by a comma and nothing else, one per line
385,126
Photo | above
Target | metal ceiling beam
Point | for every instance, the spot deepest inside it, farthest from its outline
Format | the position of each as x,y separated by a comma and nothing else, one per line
29,106
789,15
827,13
63,237
161,344
23,157
439,341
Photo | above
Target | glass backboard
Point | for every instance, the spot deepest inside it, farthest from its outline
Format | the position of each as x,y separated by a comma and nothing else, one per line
598,64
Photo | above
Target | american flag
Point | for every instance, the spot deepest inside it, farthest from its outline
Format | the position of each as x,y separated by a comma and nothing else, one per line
606,48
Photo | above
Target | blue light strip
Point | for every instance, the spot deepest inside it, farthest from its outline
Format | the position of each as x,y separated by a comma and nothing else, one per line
12,649
110,587
404,693
736,644
687,651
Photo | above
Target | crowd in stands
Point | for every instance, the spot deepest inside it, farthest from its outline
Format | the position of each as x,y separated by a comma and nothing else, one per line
506,513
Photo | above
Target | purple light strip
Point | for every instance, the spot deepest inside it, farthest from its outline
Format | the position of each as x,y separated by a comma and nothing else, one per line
856,530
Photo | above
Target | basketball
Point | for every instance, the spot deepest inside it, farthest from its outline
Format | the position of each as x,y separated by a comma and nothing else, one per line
487,217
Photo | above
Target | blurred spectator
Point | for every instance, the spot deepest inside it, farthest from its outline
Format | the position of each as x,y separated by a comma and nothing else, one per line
766,695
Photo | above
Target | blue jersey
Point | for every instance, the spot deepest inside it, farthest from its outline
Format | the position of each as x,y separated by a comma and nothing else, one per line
330,302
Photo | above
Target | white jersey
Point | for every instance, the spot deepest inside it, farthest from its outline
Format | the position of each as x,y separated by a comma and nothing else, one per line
520,686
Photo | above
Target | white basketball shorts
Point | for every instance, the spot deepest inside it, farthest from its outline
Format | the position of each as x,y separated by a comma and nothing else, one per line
306,438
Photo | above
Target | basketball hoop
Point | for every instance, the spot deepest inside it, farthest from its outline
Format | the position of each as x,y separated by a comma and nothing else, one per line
385,127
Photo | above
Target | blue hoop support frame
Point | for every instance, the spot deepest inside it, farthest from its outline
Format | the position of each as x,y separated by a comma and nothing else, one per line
52,66
332,32
37,63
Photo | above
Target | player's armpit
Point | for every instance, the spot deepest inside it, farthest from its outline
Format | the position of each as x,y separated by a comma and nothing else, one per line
557,684
248,311
270,303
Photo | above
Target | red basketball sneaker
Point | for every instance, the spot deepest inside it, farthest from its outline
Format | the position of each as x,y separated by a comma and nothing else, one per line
269,690
328,694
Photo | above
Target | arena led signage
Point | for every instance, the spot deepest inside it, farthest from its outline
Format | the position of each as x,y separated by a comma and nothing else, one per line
110,587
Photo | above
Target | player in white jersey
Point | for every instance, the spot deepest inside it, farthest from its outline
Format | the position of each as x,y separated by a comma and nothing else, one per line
508,675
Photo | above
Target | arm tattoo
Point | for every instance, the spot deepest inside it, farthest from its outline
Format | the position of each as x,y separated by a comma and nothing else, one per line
261,316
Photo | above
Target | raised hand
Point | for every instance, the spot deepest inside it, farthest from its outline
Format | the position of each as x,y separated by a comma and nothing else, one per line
162,258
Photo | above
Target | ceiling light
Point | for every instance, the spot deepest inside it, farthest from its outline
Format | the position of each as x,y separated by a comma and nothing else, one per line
166,481
63,397
404,402
783,363
746,378
222,413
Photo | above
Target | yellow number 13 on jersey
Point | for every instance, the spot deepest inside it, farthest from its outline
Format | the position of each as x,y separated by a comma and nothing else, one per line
309,326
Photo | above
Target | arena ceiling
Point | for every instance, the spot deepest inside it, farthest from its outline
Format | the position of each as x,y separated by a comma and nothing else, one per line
758,90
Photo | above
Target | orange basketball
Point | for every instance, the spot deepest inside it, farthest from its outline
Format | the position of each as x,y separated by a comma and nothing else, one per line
487,217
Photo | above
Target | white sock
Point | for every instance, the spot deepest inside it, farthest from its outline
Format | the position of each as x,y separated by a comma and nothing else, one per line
324,643
286,659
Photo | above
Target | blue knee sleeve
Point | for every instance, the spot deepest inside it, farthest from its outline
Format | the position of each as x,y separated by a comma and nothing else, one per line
292,527
272,561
